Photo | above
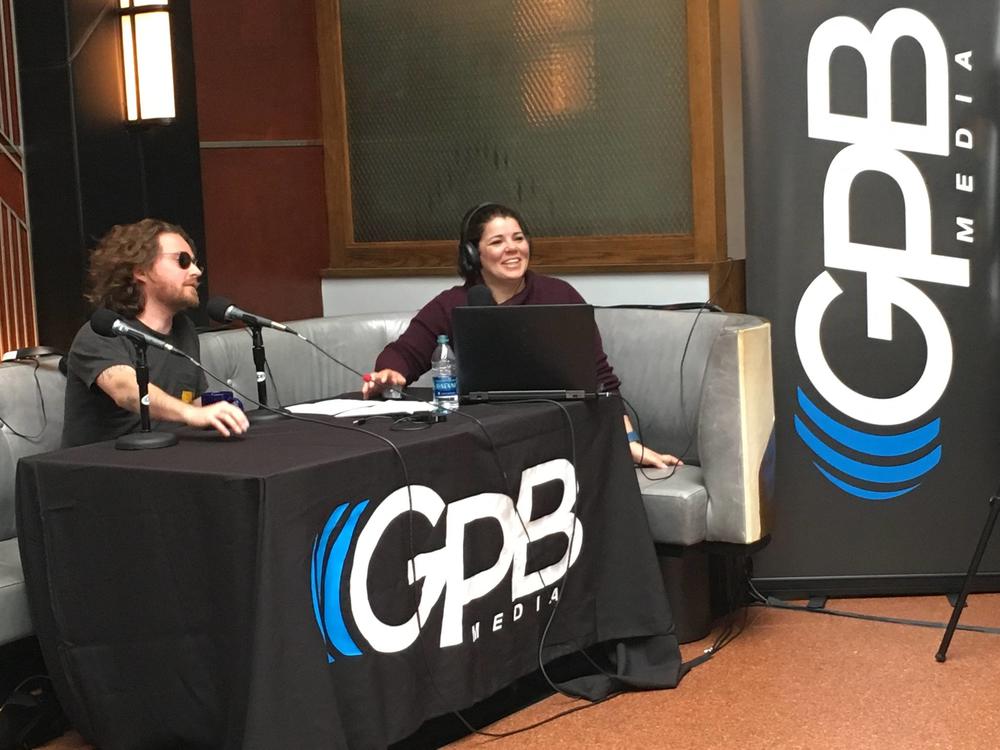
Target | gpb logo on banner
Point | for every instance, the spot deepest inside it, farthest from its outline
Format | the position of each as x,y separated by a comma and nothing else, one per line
443,569
876,143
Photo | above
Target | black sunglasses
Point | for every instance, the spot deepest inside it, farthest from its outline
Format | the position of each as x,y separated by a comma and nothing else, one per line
185,259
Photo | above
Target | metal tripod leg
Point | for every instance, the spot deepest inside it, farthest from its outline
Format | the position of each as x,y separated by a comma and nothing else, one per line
977,558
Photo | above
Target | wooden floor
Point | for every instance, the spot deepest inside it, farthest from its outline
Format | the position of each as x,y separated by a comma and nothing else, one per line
798,680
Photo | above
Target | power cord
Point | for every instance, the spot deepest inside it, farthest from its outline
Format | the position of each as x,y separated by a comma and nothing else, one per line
775,603
710,305
510,491
412,552
41,400
556,687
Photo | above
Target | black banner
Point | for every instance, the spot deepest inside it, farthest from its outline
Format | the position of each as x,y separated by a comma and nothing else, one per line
871,183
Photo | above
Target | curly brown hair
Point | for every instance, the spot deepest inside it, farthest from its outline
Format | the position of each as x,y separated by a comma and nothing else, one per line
120,252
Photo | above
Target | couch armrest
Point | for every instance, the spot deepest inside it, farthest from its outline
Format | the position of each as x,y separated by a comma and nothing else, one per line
736,432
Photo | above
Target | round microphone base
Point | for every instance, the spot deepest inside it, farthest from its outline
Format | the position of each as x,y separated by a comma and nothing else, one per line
140,441
259,416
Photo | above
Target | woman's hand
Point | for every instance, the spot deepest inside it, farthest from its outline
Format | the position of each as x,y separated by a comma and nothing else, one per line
376,382
643,456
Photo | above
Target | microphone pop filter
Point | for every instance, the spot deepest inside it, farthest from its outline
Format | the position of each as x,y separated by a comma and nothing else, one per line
102,322
216,309
480,296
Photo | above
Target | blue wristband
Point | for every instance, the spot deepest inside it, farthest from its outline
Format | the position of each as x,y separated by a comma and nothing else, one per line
633,436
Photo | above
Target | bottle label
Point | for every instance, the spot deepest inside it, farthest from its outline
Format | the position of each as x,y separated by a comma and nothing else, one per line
445,386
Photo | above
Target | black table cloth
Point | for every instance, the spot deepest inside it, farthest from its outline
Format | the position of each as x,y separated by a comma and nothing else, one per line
257,592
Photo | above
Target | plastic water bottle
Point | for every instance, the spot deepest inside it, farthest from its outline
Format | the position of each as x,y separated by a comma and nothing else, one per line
444,371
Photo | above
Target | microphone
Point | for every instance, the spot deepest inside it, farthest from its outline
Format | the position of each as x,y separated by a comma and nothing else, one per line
224,311
480,296
107,323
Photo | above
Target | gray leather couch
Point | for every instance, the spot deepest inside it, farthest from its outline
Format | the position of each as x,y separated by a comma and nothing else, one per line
27,428
716,411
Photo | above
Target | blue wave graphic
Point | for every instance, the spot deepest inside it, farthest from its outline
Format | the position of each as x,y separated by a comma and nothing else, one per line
860,491
327,577
316,568
868,472
865,443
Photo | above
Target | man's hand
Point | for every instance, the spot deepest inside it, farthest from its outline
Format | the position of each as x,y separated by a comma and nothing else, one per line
222,416
376,382
118,381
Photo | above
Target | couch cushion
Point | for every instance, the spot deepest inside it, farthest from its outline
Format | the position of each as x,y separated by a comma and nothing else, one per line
14,620
676,506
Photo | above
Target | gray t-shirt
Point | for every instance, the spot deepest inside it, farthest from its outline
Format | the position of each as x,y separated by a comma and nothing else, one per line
91,415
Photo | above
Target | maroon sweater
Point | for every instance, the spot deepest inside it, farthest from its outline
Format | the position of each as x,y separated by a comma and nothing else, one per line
411,353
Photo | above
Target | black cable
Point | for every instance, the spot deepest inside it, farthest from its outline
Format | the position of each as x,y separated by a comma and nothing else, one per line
271,381
771,601
412,552
569,553
541,645
510,491
709,305
507,484
410,423
776,603
329,356
701,307
569,550
41,401
638,429
727,635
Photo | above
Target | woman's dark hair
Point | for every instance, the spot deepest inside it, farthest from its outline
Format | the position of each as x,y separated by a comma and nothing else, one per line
120,252
473,223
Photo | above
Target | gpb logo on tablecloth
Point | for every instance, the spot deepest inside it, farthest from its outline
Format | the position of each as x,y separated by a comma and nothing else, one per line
876,143
443,569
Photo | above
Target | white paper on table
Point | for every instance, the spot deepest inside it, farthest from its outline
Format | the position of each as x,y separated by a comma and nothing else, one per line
356,407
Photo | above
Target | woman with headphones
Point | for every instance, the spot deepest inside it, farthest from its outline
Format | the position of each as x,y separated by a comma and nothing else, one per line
494,250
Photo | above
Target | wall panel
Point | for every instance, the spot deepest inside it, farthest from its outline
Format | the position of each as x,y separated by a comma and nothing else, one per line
266,225
17,303
262,163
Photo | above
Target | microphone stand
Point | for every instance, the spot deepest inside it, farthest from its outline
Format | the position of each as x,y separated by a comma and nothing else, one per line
145,438
260,364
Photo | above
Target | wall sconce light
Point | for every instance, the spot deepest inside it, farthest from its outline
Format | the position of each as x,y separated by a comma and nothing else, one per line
147,61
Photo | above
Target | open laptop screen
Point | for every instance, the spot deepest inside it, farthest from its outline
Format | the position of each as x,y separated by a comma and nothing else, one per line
525,351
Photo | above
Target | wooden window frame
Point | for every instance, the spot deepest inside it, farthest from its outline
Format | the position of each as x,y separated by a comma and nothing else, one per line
704,249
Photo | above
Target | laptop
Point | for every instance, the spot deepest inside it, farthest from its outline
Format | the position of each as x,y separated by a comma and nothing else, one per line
525,351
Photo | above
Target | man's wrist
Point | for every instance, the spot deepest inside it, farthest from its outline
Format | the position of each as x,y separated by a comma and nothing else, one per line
188,412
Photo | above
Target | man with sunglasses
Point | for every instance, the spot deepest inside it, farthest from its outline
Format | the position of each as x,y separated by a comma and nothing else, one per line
148,273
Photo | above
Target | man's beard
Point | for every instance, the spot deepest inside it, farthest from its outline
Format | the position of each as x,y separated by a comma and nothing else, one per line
190,298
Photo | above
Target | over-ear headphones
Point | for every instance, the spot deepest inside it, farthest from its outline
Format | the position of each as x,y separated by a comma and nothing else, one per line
469,263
